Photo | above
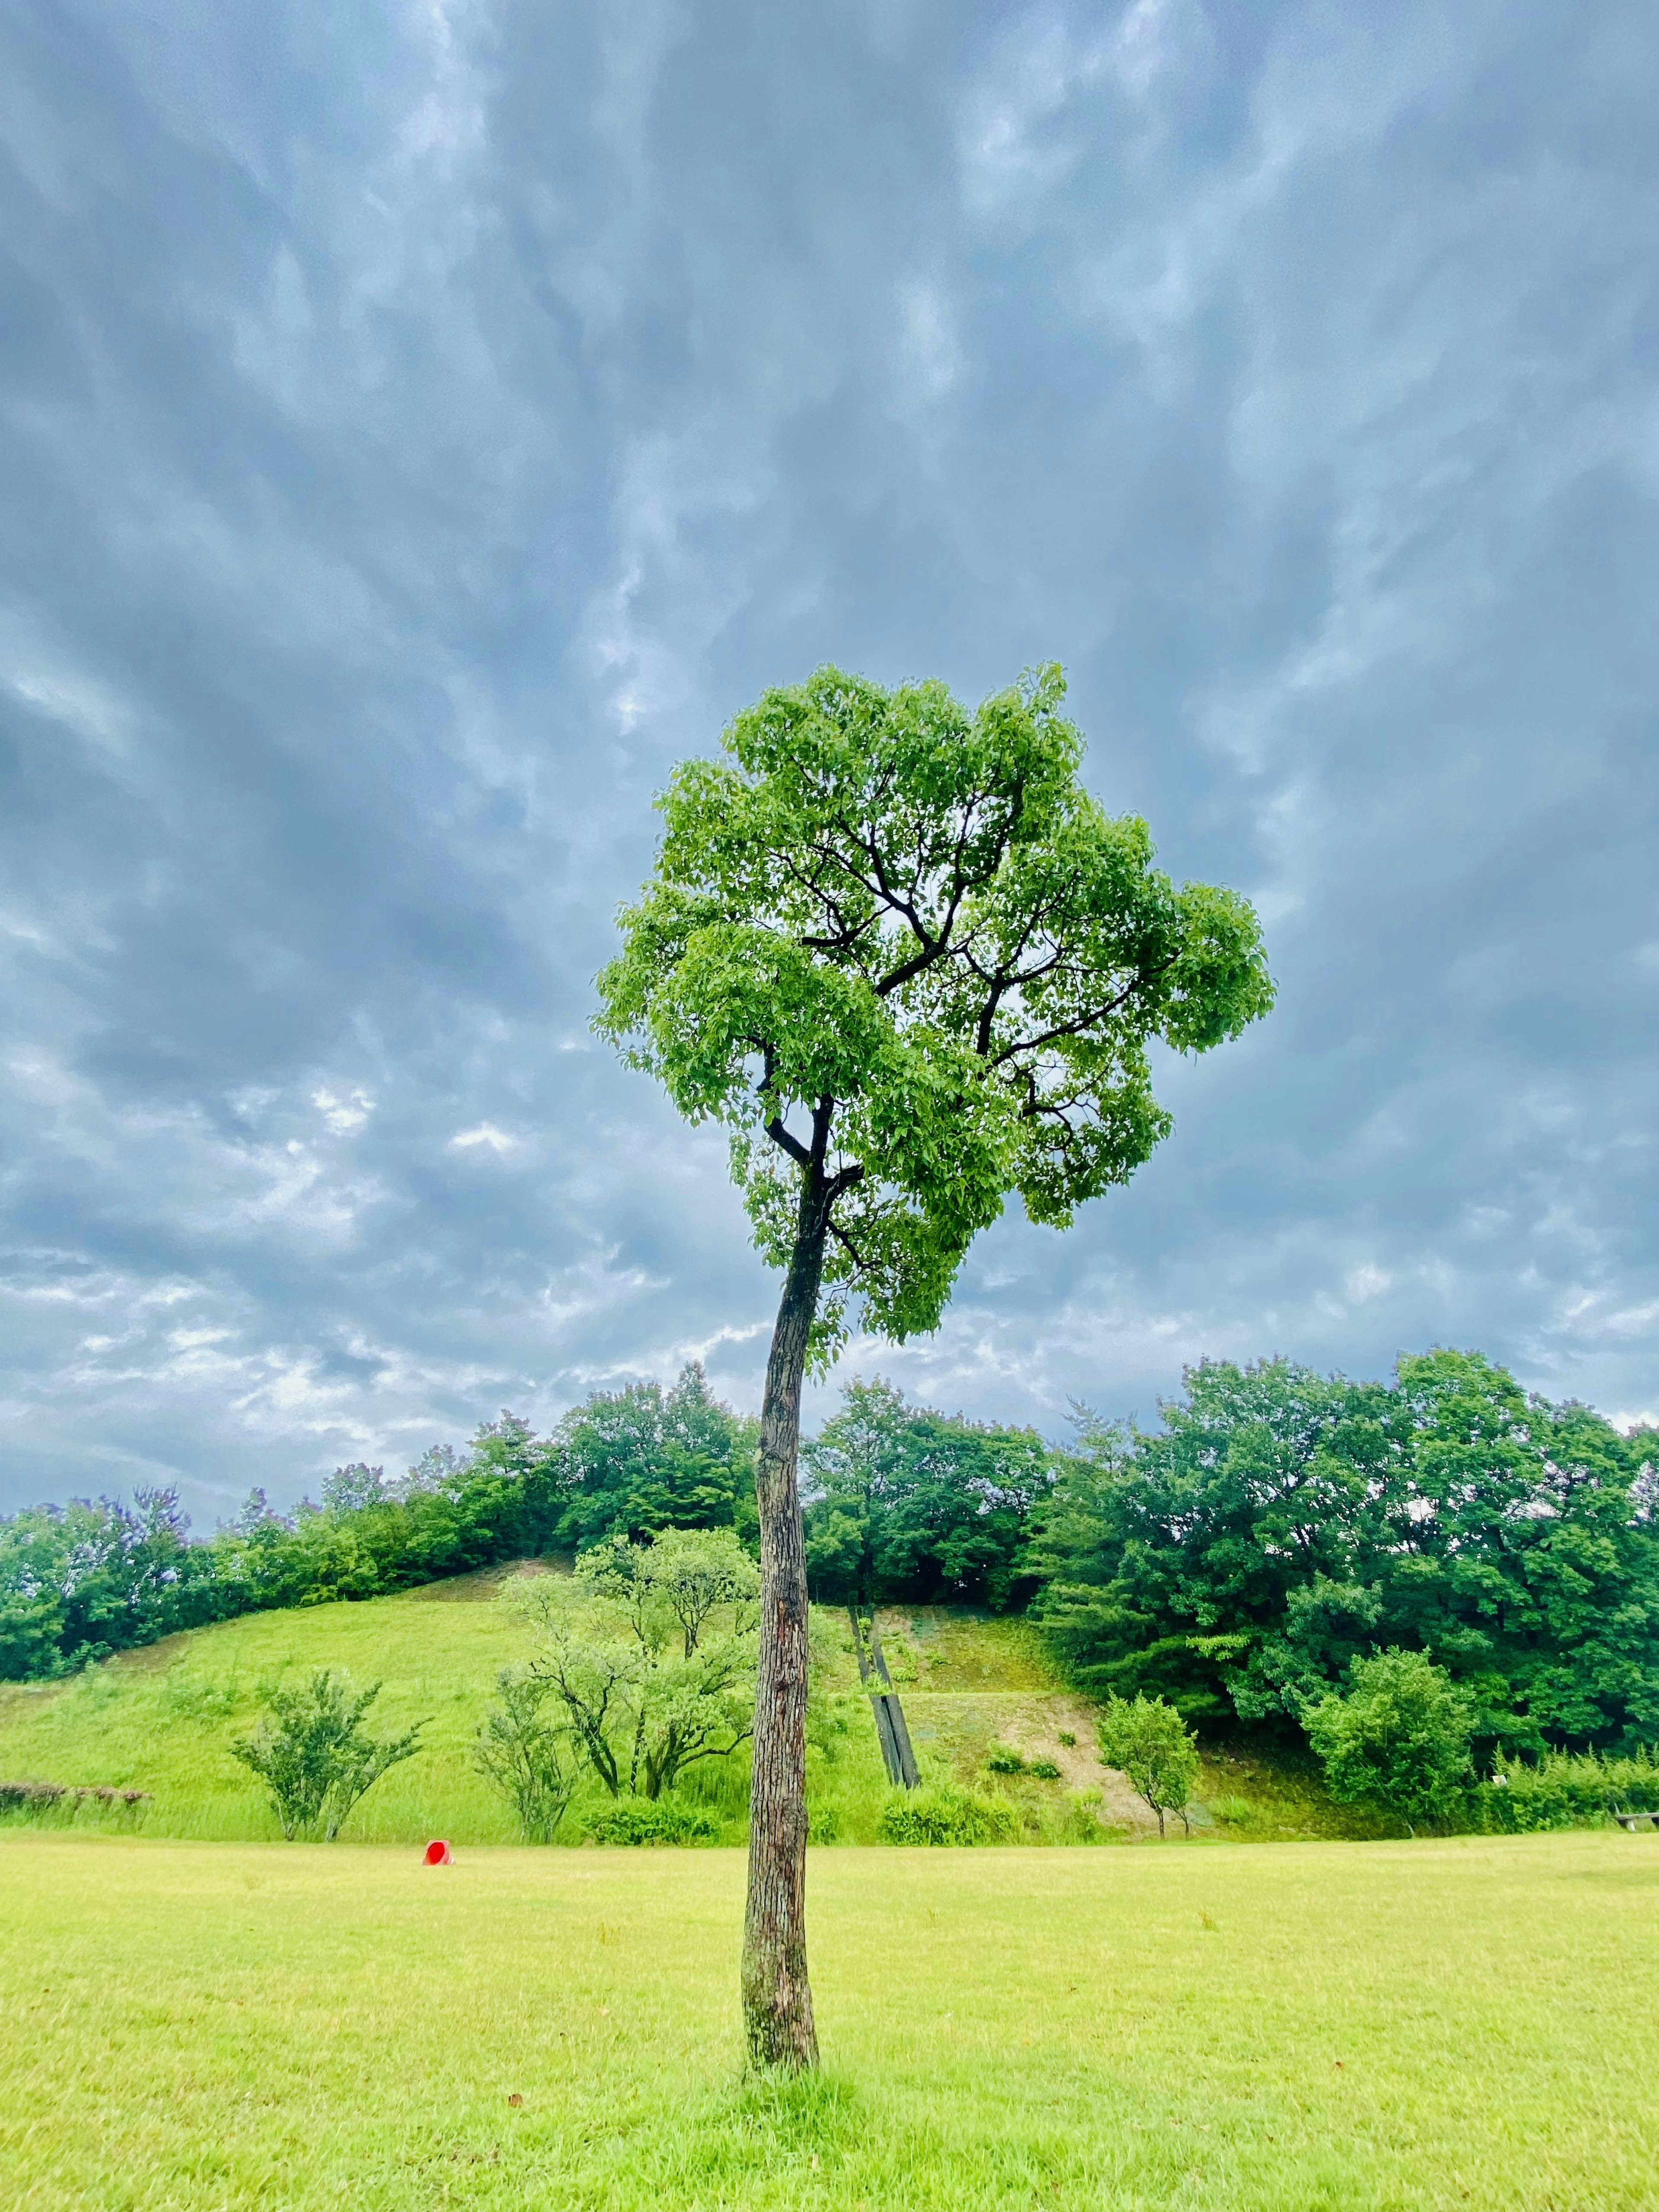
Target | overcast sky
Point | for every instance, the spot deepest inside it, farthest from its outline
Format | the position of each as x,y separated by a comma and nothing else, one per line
421,424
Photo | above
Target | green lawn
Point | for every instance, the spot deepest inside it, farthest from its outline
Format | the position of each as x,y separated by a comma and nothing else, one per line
1351,2028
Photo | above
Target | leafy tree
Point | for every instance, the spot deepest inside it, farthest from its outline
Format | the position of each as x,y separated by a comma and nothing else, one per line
1284,1524
315,1756
903,1502
914,969
1400,1734
525,1754
1229,1563
642,1458
627,1647
696,1573
349,1489
1149,1742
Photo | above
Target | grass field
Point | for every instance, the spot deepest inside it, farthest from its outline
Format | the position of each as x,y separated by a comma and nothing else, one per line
161,1719
1299,2028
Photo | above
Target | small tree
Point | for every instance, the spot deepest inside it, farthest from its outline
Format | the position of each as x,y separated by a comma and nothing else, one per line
525,1754
1149,1742
314,1755
1400,1736
627,1649
915,968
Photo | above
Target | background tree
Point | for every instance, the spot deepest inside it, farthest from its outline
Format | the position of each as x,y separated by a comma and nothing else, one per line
1282,1524
651,1685
913,967
901,1502
642,1458
1400,1736
1149,1742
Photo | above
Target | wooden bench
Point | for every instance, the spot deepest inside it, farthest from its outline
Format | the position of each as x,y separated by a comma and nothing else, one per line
1634,1820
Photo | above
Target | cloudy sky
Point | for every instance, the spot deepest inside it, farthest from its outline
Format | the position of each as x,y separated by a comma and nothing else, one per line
421,421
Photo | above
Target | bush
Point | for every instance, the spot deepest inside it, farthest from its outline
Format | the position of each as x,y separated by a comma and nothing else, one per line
1067,1738
1044,1769
318,1759
62,1801
1565,1792
653,1820
1400,1736
1149,1742
524,1755
1003,1758
939,1813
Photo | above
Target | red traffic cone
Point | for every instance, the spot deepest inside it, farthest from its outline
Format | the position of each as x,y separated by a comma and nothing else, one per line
437,1853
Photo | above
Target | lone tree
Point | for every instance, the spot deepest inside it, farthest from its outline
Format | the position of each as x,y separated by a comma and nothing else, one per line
912,965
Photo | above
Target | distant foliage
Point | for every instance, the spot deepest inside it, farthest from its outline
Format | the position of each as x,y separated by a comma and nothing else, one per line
940,1813
1282,1524
315,1756
904,1503
81,1581
1400,1736
1562,1791
1149,1741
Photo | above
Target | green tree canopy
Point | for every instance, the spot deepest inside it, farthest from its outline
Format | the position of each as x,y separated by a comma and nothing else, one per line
906,1503
912,927
1283,1524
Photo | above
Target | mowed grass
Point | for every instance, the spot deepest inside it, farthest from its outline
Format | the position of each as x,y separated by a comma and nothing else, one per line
1284,2028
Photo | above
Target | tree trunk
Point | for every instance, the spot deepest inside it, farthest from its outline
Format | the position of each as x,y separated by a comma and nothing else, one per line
777,1998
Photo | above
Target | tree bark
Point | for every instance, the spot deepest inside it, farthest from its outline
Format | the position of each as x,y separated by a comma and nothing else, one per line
777,1997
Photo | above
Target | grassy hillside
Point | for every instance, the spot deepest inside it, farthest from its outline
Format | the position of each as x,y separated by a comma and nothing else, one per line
1386,2028
161,1719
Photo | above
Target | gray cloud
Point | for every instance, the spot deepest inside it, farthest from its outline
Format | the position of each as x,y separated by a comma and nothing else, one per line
423,425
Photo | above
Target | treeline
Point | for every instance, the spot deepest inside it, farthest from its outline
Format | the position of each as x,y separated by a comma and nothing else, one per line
1278,1526
1284,1524
81,1581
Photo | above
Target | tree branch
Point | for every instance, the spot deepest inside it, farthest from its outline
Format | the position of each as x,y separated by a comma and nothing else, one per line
1084,1021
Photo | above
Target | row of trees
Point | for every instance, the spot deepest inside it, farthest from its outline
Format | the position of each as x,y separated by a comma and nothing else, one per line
1282,1525
1277,1527
908,1503
80,1581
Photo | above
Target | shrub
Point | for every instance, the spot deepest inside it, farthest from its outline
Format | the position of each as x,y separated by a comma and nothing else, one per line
318,1759
1003,1758
526,1756
1044,1769
1149,1742
1400,1736
48,1800
653,1820
1067,1738
1567,1792
939,1813
823,1823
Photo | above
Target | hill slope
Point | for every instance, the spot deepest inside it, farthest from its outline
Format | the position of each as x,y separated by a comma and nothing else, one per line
162,1719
